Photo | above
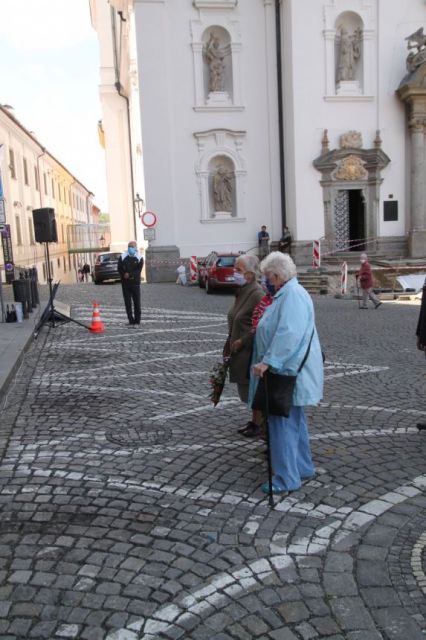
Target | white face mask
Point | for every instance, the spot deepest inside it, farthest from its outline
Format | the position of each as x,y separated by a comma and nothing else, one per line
239,279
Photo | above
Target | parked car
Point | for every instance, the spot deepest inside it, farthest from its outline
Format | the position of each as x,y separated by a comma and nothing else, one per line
218,271
106,267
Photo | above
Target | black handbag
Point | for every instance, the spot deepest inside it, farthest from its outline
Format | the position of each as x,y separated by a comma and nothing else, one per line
274,393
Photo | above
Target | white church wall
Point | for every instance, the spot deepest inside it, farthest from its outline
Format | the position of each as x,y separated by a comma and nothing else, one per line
405,18
172,114
314,110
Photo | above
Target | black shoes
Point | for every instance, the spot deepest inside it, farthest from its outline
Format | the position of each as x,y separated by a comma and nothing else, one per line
250,430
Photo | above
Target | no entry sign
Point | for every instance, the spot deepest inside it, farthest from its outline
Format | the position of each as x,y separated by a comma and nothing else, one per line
149,219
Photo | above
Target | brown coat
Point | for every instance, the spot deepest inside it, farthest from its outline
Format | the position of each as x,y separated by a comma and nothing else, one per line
239,325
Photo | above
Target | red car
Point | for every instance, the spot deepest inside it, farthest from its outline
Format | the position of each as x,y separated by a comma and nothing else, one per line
218,271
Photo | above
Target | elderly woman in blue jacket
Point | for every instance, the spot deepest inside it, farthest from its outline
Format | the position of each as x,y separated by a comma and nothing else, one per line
281,341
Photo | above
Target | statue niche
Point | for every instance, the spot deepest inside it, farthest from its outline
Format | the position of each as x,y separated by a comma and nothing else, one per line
348,53
217,66
222,187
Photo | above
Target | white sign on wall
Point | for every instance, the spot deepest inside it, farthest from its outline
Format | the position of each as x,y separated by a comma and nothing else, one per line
149,234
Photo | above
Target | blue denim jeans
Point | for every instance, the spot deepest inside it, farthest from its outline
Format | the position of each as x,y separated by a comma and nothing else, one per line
290,451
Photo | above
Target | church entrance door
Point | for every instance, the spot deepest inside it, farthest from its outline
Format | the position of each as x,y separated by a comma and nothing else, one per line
349,220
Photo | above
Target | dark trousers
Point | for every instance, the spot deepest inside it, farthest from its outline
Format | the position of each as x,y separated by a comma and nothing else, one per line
132,293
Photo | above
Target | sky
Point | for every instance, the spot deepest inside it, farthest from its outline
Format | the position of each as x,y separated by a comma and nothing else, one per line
49,74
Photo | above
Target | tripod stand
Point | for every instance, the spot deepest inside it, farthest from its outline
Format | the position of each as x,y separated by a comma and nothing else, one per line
51,315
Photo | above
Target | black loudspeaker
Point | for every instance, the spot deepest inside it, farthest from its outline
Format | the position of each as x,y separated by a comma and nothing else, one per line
45,225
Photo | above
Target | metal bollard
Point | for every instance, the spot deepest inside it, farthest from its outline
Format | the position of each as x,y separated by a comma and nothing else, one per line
29,292
34,287
20,294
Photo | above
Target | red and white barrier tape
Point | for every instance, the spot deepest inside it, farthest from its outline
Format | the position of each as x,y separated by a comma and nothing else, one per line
316,254
193,269
344,277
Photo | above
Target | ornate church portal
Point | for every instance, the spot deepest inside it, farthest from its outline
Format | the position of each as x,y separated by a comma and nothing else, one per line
351,179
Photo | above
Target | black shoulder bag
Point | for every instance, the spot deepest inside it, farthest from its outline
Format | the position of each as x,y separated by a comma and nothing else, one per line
280,389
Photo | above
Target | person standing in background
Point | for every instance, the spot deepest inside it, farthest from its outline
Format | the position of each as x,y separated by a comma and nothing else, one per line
263,240
130,265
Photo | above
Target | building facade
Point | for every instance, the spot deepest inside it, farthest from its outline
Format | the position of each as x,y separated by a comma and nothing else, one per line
32,178
282,112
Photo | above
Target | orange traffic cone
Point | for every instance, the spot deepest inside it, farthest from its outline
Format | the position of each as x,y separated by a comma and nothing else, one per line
96,326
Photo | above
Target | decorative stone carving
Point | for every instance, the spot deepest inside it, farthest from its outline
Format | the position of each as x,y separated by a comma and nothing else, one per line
350,168
215,56
416,40
351,140
325,142
349,52
222,189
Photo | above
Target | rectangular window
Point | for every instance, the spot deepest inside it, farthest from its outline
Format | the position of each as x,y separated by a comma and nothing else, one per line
36,179
53,188
18,230
59,192
31,231
69,263
12,163
45,183
44,271
63,233
65,265
26,172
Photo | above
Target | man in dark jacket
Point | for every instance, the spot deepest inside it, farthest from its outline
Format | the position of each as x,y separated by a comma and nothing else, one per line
421,335
130,266
421,324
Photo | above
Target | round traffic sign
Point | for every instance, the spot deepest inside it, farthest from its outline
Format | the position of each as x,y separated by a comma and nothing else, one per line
149,219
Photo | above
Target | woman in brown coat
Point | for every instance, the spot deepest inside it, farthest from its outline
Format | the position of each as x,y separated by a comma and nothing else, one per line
247,297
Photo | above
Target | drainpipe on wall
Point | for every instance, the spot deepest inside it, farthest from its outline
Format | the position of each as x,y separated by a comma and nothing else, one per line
39,176
280,110
119,88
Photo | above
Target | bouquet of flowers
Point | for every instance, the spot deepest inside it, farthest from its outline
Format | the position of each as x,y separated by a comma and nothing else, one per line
217,380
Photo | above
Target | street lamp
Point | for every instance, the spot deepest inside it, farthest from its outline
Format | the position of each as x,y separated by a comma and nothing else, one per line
139,204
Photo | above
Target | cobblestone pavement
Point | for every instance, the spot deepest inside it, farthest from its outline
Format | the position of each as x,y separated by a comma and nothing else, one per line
131,509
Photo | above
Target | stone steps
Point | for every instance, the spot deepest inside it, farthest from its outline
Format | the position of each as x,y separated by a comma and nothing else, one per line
314,282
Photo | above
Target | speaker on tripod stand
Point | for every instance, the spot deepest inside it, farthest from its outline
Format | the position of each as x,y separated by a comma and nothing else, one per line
45,231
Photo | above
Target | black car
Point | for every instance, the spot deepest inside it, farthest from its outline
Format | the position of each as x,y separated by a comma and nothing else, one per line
106,267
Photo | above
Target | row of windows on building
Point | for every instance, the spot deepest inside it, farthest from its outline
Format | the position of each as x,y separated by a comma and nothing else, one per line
68,265
18,231
76,200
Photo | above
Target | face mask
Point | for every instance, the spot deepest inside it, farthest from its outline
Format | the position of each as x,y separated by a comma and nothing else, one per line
267,286
239,279
131,251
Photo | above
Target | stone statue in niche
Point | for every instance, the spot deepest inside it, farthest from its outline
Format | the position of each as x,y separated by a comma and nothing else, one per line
215,56
222,189
349,53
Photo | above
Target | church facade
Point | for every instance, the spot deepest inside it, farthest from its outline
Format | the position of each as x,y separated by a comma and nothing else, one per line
282,112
